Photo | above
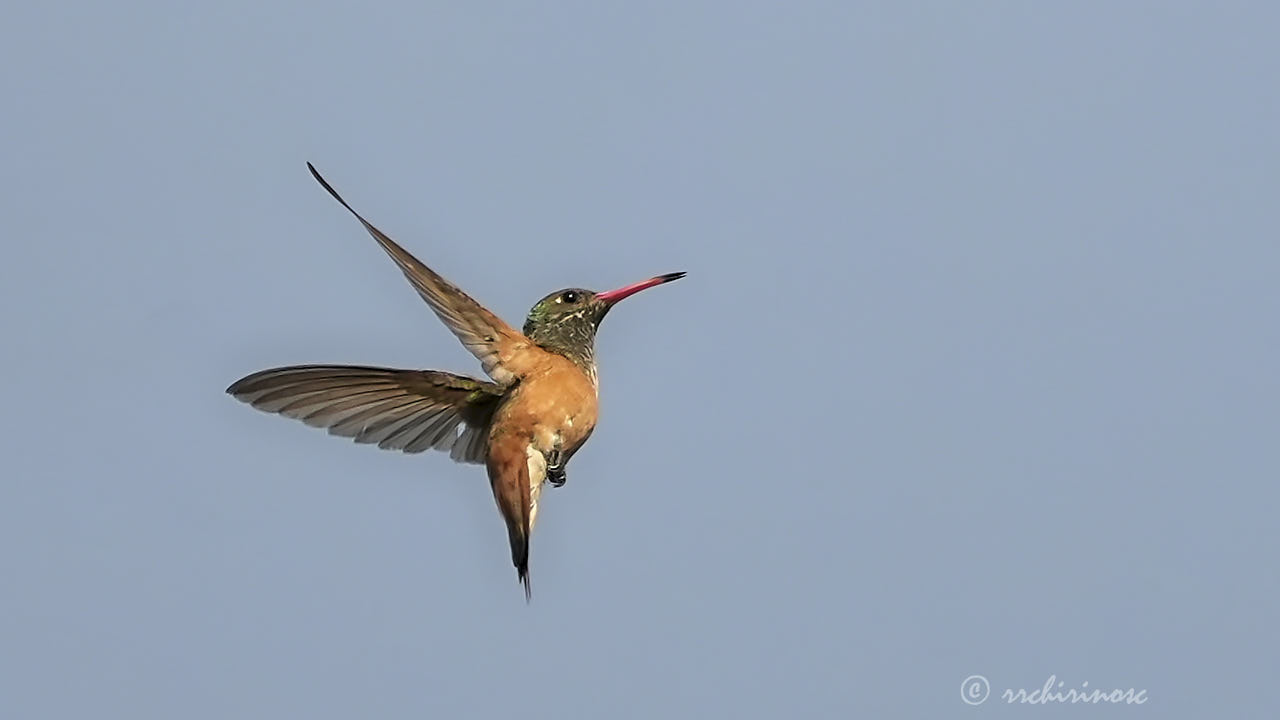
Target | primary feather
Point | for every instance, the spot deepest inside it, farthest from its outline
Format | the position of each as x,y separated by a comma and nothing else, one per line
408,410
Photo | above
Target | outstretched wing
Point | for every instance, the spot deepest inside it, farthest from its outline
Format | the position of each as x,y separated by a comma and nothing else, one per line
483,333
409,410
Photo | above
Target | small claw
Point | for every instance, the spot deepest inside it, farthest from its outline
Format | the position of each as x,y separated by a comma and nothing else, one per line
555,469
556,476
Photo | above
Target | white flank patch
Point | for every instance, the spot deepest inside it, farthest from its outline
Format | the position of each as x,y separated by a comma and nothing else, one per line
537,465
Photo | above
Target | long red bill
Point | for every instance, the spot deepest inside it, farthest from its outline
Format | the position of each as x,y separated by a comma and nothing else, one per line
614,296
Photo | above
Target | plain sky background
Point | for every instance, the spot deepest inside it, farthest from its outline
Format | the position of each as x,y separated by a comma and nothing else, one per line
975,370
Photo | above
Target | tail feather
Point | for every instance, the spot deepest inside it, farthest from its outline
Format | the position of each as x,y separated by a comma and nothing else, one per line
520,551
520,558
510,470
522,571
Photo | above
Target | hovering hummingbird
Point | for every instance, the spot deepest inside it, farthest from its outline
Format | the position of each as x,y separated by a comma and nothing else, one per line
524,426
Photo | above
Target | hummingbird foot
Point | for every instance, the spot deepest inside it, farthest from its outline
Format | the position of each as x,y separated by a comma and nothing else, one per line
555,469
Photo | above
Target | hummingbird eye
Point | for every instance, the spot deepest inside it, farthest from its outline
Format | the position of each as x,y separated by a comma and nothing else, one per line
570,297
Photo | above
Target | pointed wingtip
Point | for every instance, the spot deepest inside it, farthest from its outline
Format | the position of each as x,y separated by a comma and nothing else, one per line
377,234
237,388
325,184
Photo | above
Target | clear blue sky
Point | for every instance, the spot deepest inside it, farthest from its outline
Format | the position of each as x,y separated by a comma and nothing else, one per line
974,372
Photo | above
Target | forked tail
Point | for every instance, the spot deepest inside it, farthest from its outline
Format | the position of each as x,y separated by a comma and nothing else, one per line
520,558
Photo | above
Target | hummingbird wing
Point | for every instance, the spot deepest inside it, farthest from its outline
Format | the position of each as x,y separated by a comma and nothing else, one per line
409,410
490,339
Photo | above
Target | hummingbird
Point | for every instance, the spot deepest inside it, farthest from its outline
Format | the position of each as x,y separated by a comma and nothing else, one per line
524,424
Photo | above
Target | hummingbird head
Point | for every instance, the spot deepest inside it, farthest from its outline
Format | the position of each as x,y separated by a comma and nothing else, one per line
566,320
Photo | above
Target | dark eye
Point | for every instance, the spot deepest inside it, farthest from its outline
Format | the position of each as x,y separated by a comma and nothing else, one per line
570,297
